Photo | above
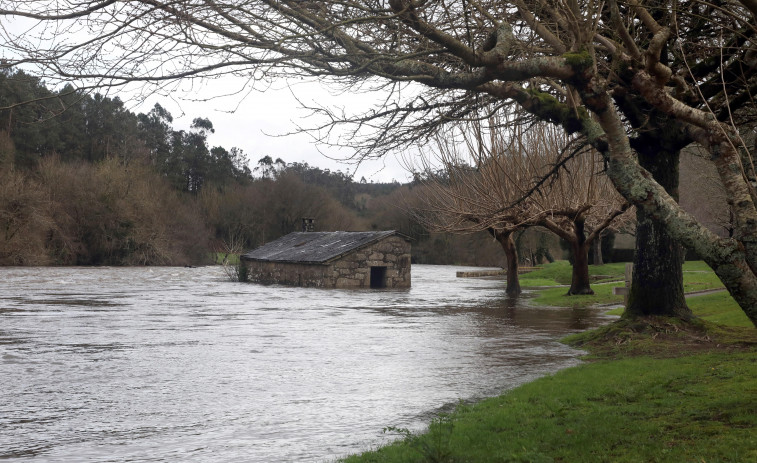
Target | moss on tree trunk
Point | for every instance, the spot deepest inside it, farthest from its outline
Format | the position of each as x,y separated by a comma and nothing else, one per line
657,283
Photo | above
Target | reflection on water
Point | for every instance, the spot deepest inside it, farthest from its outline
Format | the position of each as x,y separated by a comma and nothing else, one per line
175,364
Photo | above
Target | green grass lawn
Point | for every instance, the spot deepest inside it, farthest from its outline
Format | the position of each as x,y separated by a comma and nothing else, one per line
559,273
697,280
697,276
700,408
557,297
657,390
718,308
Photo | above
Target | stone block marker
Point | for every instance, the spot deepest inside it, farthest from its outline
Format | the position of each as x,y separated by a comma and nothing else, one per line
625,290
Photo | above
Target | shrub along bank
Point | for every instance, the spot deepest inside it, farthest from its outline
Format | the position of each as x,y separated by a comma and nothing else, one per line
656,390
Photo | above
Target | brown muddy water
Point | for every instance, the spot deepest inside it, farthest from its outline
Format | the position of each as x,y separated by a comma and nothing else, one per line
179,364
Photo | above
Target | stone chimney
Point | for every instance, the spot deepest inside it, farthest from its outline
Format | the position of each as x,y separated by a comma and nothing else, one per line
308,224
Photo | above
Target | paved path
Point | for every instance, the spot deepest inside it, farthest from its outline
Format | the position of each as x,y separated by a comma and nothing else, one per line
705,291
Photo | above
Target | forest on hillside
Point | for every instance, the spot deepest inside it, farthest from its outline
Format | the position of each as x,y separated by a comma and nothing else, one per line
85,181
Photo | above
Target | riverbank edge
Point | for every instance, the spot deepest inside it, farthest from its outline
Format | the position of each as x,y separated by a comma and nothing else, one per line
656,389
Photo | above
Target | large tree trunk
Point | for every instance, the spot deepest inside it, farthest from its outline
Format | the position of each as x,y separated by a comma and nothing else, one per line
730,259
579,283
727,257
657,283
508,245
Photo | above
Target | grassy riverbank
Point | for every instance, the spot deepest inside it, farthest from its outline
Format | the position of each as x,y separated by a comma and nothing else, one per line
654,391
696,277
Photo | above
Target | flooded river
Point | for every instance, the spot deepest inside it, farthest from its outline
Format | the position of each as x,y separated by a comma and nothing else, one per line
179,364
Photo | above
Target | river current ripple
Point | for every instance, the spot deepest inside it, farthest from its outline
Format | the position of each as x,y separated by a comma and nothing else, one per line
179,364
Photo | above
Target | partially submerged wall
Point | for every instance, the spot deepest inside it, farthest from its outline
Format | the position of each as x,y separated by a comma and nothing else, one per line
390,255
285,273
354,269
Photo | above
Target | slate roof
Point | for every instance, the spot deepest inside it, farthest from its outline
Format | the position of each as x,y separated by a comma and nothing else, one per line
315,247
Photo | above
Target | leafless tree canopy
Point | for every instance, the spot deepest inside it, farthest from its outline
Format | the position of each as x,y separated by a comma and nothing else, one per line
471,56
620,73
493,180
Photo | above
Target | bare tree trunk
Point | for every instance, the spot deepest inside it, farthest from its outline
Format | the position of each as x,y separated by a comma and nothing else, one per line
508,245
598,260
579,251
729,258
579,283
657,284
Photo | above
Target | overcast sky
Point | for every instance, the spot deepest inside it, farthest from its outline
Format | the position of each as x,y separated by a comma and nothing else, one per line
258,121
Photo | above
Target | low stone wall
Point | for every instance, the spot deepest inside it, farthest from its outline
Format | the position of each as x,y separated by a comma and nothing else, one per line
352,270
306,275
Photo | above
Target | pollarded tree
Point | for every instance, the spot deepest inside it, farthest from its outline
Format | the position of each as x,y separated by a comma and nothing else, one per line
477,189
637,77
461,200
491,182
580,204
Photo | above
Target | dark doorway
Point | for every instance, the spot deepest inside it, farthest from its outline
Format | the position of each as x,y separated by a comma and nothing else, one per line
378,277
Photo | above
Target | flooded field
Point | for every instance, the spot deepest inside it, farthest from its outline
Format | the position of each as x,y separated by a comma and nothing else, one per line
179,364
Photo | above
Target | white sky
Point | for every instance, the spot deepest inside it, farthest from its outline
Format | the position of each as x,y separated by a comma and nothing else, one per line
253,121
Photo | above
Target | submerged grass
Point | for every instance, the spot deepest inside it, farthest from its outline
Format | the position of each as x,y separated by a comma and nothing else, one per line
656,390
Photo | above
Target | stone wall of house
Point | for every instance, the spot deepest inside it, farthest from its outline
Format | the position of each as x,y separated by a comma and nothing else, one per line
306,275
351,271
354,269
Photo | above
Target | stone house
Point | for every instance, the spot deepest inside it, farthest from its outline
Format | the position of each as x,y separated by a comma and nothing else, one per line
379,259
